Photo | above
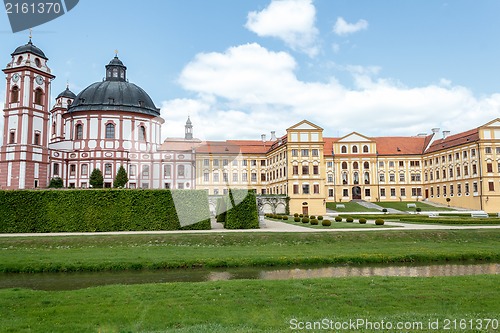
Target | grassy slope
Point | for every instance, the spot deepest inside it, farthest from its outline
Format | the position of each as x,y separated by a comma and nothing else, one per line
403,206
349,207
93,253
249,306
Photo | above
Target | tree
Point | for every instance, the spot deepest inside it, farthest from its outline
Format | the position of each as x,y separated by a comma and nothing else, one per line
56,182
96,179
121,178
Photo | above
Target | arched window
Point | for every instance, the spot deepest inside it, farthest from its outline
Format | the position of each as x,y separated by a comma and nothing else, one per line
38,63
367,178
79,132
14,95
344,178
343,150
85,169
344,165
142,133
354,149
355,165
38,96
110,131
180,170
356,178
366,165
365,149
19,60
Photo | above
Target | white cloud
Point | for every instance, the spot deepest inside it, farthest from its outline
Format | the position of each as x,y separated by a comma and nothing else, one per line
343,28
293,21
249,90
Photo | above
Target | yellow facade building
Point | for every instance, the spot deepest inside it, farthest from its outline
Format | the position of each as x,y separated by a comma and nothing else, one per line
461,170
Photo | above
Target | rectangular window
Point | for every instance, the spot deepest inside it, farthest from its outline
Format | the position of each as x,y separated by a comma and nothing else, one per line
36,140
391,164
225,177
345,192
215,163
206,177
316,170
392,177
315,152
85,169
12,137
403,192
244,163
401,164
262,177
402,177
459,189
451,189
474,187
330,193
466,188
167,171
145,172
262,162
72,170
489,167
235,163
473,152
367,192
487,150
181,171
225,162
253,177
382,192
329,164
445,192
316,188
466,170
305,152
305,170
295,152
108,169
216,177
167,186
474,169
295,189
305,188
330,178
206,162
393,192
244,177
254,163
131,170
381,177
235,177
491,186
295,169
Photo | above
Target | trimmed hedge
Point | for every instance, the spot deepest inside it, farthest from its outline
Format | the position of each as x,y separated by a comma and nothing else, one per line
326,223
243,215
102,210
338,219
220,210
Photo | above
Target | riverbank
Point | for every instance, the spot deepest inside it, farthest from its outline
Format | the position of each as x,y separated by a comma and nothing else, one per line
256,306
144,251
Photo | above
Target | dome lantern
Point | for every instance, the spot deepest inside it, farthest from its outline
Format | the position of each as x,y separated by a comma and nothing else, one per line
116,70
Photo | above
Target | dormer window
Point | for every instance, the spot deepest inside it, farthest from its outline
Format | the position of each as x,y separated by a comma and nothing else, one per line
141,104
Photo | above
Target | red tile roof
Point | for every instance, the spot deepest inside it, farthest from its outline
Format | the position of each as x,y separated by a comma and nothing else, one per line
454,140
403,145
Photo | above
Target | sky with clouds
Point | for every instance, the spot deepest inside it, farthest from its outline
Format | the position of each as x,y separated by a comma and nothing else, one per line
240,69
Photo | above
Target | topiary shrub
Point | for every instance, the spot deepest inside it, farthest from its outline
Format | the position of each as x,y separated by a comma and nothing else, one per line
296,215
384,210
326,223
314,222
379,222
305,220
338,219
362,221
301,215
56,182
285,218
243,215
349,220
312,217
320,217
296,219
418,209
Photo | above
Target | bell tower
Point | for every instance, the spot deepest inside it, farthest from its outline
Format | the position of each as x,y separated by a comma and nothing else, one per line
188,130
24,154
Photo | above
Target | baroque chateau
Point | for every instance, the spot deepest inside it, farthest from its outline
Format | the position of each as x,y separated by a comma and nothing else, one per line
115,123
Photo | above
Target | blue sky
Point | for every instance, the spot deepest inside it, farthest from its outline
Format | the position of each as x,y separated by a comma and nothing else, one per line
244,68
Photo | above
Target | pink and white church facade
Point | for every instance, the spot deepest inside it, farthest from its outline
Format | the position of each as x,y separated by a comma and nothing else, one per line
109,124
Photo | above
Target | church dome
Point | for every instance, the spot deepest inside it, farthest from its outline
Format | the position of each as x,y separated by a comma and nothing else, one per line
29,48
114,94
67,93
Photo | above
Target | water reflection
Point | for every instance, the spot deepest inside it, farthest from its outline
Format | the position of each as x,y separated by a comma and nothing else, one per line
71,281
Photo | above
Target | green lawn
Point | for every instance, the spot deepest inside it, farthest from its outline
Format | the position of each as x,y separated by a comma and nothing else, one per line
336,225
349,207
402,205
253,305
94,253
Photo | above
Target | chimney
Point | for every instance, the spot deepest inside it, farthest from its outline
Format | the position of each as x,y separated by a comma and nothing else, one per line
435,130
273,135
263,137
446,134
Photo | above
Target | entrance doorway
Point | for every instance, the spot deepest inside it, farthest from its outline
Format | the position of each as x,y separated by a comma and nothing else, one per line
426,193
305,210
356,193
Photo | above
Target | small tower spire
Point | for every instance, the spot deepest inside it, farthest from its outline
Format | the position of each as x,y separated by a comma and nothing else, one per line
188,130
31,35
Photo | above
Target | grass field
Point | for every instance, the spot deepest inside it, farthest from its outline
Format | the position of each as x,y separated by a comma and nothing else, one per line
349,207
254,306
403,206
95,253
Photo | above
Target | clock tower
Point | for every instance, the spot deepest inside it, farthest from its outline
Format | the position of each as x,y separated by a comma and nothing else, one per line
24,155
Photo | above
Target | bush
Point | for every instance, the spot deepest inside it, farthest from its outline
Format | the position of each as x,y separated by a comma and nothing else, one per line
338,219
98,210
418,209
379,222
305,220
326,223
384,210
96,179
296,219
349,219
245,214
362,221
314,222
320,217
312,217
301,215
121,178
296,215
56,182
285,218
